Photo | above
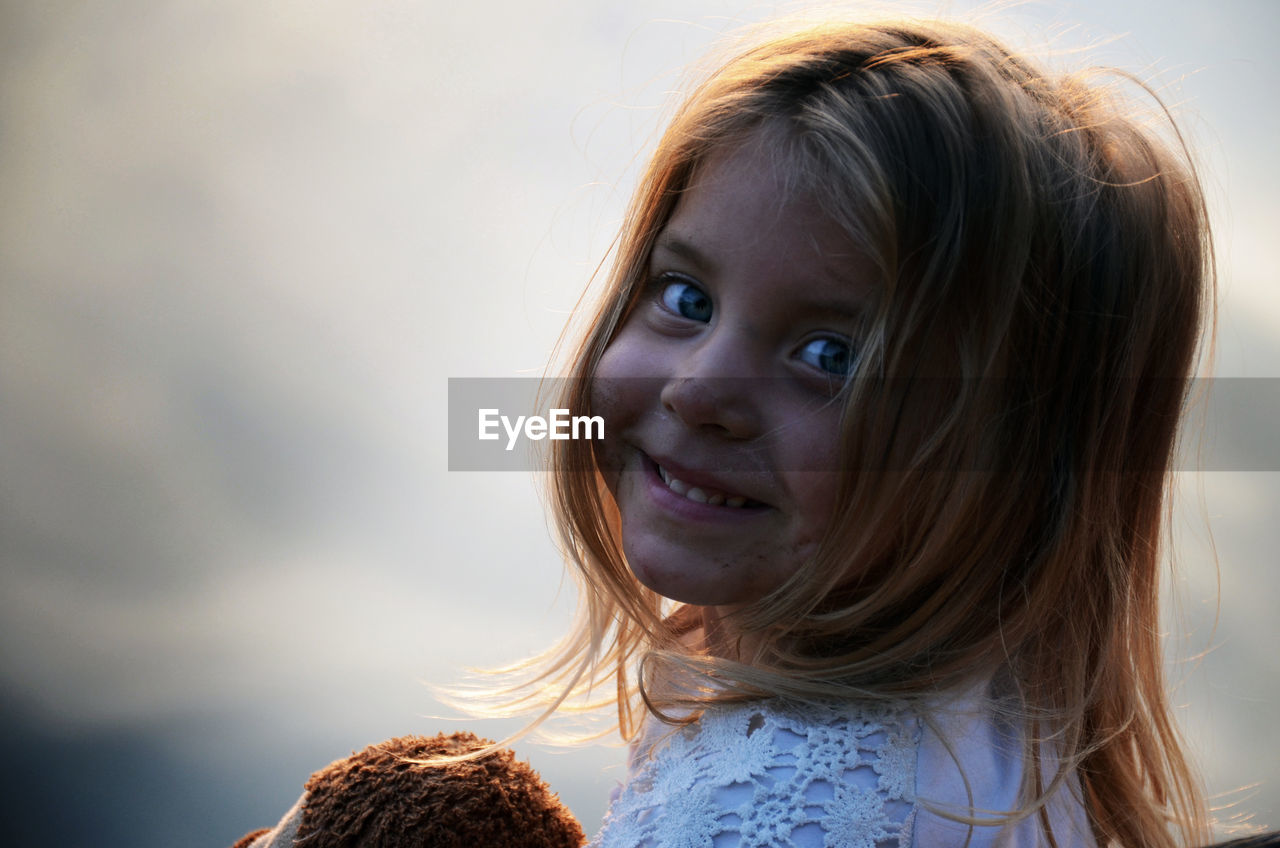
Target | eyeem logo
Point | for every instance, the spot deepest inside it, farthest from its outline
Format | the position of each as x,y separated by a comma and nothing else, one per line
487,434
560,426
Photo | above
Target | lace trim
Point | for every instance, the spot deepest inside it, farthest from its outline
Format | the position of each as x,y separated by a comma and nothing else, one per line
757,775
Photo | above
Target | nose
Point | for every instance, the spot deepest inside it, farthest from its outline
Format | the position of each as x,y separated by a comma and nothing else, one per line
715,388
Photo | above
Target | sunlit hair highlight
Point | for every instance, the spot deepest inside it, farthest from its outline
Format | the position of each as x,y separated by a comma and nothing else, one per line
1046,274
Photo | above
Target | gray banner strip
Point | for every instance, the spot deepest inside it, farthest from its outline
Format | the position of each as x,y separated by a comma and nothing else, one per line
507,424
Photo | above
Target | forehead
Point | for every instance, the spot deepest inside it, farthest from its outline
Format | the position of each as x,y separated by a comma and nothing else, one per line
755,175
747,204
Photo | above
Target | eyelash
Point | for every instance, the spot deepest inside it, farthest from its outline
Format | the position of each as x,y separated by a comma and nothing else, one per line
846,357
663,284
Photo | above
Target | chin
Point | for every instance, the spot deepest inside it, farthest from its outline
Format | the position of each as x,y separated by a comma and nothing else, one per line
676,586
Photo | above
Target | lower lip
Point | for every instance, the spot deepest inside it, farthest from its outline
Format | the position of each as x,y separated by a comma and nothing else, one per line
692,510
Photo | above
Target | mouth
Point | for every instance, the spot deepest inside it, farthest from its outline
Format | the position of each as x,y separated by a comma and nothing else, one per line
702,493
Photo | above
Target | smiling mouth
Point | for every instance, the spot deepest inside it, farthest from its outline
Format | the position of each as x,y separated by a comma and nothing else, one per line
705,495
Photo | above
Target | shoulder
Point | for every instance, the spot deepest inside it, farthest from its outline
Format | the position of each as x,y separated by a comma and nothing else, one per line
771,774
970,764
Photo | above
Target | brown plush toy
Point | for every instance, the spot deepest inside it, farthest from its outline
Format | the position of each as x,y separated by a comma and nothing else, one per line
380,798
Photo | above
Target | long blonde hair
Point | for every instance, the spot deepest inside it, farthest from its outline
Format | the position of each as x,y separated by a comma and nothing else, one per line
1046,276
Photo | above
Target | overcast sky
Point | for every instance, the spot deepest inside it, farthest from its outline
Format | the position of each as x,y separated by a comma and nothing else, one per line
243,246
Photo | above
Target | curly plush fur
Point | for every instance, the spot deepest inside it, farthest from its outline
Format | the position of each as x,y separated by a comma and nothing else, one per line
381,798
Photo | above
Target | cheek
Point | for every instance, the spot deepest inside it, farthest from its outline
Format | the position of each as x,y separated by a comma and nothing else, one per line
606,381
607,451
623,387
817,486
614,398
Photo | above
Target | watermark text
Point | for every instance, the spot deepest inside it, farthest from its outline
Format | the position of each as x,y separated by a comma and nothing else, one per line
558,426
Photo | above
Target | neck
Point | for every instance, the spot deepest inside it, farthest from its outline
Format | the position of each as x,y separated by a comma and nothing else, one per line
717,639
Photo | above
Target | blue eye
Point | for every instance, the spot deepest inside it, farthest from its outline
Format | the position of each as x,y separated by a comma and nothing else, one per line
831,355
687,300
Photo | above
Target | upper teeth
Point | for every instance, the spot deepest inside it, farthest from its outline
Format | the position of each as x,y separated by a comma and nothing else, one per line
696,493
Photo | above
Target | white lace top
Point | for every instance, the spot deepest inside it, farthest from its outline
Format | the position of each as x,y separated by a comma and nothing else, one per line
848,776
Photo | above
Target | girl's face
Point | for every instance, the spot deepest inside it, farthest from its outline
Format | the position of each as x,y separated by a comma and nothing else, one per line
719,392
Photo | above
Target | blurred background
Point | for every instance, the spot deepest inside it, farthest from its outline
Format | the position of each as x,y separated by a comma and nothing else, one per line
244,245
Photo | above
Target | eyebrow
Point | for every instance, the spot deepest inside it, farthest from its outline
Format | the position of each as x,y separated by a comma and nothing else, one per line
839,308
685,250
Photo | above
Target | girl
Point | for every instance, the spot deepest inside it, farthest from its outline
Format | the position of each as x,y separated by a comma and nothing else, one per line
891,364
